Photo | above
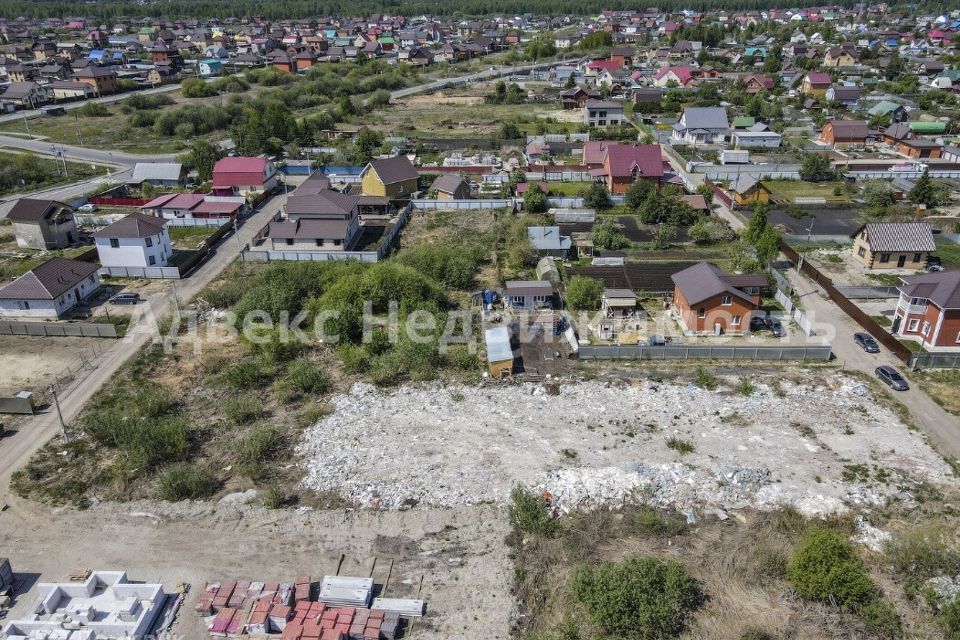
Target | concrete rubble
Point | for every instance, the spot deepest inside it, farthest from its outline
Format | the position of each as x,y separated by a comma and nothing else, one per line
600,443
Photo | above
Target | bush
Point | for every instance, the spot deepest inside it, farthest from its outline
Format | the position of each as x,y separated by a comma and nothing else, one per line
639,598
243,409
94,110
606,236
950,620
683,447
452,266
186,482
255,448
584,293
529,513
705,380
922,553
657,523
824,567
459,357
142,102
305,377
196,88
881,619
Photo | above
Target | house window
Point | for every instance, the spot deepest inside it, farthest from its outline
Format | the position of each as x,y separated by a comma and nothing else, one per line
958,338
516,300
290,241
926,329
149,242
735,321
912,326
701,313
114,243
153,260
884,257
337,243
916,257
862,251
727,300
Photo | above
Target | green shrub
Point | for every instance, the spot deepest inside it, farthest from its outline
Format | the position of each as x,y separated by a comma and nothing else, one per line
949,619
274,498
452,266
745,388
94,110
243,409
459,357
825,567
922,553
241,375
196,88
584,293
681,446
705,380
881,619
639,598
306,377
655,522
254,449
529,513
354,358
186,482
225,295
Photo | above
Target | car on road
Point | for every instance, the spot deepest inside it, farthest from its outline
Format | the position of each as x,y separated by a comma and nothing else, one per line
866,342
775,326
89,207
892,378
125,298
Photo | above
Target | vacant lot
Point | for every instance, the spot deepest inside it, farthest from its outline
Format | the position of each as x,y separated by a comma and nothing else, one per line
788,190
30,363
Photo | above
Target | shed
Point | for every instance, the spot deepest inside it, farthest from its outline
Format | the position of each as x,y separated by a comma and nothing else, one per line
499,352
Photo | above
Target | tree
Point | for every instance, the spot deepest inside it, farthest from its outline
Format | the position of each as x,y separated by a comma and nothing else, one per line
758,222
367,142
535,200
510,131
605,236
571,81
597,196
584,293
816,167
637,193
664,237
706,192
767,245
878,198
203,155
926,192
710,231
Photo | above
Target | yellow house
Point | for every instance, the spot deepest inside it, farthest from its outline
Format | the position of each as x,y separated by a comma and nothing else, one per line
893,245
837,57
748,190
394,177
499,352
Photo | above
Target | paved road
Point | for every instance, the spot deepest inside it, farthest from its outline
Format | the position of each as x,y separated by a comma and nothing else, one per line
65,192
836,327
81,154
37,430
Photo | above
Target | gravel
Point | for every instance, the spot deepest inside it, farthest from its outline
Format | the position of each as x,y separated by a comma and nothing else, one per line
602,443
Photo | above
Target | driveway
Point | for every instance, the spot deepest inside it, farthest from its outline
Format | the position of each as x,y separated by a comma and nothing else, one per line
831,323
37,430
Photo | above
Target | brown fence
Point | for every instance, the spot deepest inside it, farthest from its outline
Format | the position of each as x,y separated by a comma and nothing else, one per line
852,310
718,192
117,202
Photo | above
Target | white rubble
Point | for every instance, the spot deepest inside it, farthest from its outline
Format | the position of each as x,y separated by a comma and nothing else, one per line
605,443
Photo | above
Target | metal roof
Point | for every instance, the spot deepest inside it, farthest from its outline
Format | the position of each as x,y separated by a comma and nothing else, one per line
498,344
49,280
899,236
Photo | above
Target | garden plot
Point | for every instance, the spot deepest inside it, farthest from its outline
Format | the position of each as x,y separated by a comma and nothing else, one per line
602,443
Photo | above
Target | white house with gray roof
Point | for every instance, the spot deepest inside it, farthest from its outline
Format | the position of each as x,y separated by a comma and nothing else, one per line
49,290
702,125
137,241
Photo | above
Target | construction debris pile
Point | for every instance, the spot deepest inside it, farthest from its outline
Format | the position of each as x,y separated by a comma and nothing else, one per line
337,608
598,443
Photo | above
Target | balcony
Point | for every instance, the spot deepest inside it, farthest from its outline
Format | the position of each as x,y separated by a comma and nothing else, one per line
912,308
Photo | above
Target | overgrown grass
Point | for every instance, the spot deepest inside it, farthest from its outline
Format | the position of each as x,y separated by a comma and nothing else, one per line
530,514
681,446
255,449
705,380
186,481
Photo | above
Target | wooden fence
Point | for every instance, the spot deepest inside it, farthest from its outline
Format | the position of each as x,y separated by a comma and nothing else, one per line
719,193
856,314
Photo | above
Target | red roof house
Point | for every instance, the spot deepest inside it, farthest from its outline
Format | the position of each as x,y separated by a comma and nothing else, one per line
243,175
625,164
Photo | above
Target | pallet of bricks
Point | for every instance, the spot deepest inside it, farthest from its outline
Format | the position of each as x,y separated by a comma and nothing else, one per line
343,610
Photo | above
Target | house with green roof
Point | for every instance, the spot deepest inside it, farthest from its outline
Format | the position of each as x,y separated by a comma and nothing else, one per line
895,111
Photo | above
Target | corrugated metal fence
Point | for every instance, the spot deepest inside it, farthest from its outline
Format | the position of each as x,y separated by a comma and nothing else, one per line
59,330
705,352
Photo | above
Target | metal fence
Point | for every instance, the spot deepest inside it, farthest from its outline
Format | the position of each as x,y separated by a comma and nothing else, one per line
505,203
935,361
59,329
309,256
705,352
158,273
198,222
868,293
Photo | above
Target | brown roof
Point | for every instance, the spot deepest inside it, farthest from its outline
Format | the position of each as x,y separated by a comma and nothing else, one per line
942,289
448,183
849,129
323,202
704,280
49,280
395,169
33,210
309,229
136,225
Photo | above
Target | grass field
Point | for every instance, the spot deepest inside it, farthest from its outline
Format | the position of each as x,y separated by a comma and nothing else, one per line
75,172
789,190
567,188
942,387
16,266
949,252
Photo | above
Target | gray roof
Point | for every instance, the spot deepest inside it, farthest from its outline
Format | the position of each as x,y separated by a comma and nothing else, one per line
704,280
705,118
899,236
395,169
49,280
321,203
529,288
603,104
942,289
156,171
309,229
448,183
547,239
34,210
498,344
136,225
743,184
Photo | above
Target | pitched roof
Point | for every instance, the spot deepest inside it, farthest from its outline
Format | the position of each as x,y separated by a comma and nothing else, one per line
704,280
136,225
156,171
942,289
240,164
819,78
899,236
309,229
646,158
448,183
395,169
33,210
547,239
849,129
325,202
49,280
705,118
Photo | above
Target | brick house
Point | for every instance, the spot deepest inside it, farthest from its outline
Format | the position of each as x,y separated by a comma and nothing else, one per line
102,80
624,164
845,133
928,310
893,245
706,300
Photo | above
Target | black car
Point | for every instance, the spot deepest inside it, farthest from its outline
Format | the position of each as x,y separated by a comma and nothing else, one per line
775,326
758,323
866,342
892,378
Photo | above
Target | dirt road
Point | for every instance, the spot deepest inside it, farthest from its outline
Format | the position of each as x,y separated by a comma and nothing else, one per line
35,431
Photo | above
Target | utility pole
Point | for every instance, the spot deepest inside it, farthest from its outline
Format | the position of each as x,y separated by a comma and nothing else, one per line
27,124
56,403
236,234
79,136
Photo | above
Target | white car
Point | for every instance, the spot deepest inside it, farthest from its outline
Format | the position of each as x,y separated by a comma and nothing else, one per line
88,207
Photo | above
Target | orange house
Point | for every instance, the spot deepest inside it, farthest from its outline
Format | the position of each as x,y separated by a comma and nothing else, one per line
709,301
928,310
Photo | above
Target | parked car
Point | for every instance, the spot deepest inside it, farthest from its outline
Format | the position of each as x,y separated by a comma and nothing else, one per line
934,264
88,208
892,378
866,342
758,323
775,326
125,298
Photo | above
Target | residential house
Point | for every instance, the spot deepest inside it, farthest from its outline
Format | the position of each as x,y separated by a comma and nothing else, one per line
845,133
317,218
499,351
839,57
702,125
529,295
600,113
755,83
675,77
747,190
137,241
194,205
450,186
816,84
848,96
43,224
756,139
624,164
577,97
101,79
893,245
920,149
210,68
394,177
159,174
928,310
244,175
706,300
547,241
69,90
50,290
888,109
28,95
